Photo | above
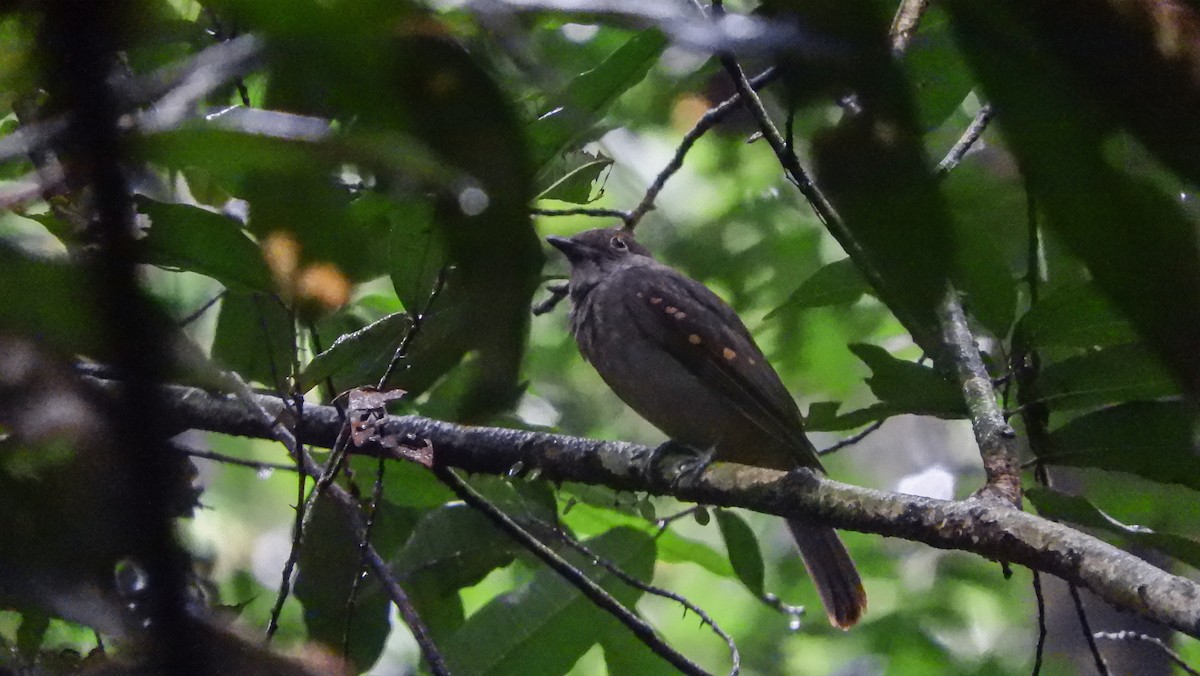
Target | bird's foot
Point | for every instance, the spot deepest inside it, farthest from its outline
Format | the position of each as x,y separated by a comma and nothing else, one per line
686,463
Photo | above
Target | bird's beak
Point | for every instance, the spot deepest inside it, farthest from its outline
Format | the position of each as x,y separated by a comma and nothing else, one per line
572,249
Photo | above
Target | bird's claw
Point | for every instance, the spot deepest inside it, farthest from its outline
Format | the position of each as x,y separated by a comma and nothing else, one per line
688,463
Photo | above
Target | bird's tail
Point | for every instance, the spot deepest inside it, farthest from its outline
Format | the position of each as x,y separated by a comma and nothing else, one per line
832,571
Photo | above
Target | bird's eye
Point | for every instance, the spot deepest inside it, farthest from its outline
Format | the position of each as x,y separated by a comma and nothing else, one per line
618,244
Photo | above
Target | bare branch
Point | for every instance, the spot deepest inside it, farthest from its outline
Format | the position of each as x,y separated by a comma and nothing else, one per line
966,141
996,438
985,527
904,25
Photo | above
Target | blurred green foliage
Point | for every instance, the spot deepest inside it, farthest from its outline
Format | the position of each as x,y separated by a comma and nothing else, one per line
1067,229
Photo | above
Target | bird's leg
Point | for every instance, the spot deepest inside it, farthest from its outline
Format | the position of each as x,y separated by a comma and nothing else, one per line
687,462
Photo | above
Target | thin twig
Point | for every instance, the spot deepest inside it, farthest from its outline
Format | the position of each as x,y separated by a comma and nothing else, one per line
904,25
230,460
707,121
414,327
199,312
596,212
298,531
1153,640
799,177
1040,653
1086,626
966,141
557,293
404,605
665,522
851,440
735,656
642,630
372,518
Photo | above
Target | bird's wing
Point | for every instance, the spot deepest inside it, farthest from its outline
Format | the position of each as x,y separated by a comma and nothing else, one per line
708,339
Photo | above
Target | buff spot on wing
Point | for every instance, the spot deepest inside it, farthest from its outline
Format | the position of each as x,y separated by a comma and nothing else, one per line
670,309
694,339
655,301
751,360
680,315
729,354
639,294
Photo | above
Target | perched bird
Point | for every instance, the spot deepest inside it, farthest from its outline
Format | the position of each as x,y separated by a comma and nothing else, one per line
681,357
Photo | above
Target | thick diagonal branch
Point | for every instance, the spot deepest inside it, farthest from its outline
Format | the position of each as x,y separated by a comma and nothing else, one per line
996,438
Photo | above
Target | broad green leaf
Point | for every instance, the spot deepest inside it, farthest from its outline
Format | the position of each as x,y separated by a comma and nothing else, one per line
909,387
837,283
1136,239
48,300
989,226
1108,376
358,358
894,222
415,252
823,416
255,337
451,547
588,519
573,183
195,239
517,628
1079,510
1154,440
744,553
935,69
574,110
1076,316
329,562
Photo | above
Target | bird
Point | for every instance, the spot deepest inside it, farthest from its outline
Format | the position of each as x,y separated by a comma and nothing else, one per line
680,356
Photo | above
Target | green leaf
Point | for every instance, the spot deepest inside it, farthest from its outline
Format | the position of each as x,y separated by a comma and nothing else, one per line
1076,316
907,387
195,239
588,519
1155,440
573,181
49,300
577,108
744,553
989,233
837,283
897,226
517,628
1127,226
415,252
358,358
1081,511
936,70
329,562
255,337
1108,376
451,547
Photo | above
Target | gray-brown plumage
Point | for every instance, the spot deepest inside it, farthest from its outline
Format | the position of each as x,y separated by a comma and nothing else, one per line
681,357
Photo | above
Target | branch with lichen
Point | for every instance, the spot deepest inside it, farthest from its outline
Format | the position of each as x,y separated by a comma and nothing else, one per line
984,527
